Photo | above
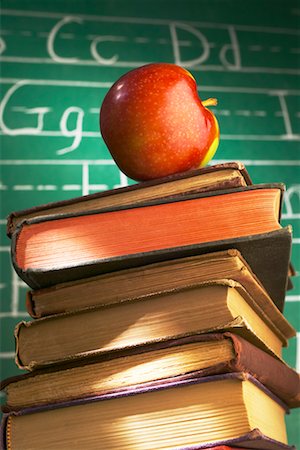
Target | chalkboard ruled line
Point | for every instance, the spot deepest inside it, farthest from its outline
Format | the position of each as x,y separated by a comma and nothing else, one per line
23,187
71,83
87,134
66,162
292,298
65,187
260,137
7,355
110,162
290,216
226,137
145,21
145,40
108,84
260,162
135,64
72,187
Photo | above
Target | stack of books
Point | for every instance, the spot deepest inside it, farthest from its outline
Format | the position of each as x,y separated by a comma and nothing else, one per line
157,318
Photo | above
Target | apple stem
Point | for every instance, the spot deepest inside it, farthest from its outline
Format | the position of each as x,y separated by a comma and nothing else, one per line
210,102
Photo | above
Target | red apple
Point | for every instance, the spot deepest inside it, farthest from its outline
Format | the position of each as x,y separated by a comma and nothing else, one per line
154,123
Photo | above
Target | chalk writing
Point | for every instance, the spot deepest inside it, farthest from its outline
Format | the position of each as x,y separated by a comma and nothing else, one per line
76,115
199,46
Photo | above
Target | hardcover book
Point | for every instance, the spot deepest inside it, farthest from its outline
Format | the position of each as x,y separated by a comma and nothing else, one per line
222,305
188,414
210,178
78,246
153,278
177,359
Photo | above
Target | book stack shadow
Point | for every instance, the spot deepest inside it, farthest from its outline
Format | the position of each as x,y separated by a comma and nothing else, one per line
157,318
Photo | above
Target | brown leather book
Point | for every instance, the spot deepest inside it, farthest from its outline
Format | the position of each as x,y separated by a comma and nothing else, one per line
125,284
220,305
188,414
190,356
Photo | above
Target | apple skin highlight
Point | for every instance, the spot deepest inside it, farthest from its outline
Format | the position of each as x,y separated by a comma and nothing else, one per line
154,123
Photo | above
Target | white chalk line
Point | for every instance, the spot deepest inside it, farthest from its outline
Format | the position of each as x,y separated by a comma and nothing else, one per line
146,21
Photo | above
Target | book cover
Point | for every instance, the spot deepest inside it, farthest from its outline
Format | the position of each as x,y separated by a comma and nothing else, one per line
137,401
61,271
189,357
149,279
210,178
221,305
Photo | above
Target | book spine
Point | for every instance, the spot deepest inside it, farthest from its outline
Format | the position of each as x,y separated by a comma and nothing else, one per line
280,379
3,433
30,305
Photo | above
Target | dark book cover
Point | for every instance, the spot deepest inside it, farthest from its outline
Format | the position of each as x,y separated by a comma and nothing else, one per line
271,257
267,254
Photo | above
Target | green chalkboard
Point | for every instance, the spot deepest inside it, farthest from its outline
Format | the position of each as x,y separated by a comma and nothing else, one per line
58,60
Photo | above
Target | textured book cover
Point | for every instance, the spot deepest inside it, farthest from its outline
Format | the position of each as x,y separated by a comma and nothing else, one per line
39,277
227,175
254,439
277,376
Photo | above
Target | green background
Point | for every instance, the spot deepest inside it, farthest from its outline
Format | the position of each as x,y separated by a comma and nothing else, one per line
58,60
